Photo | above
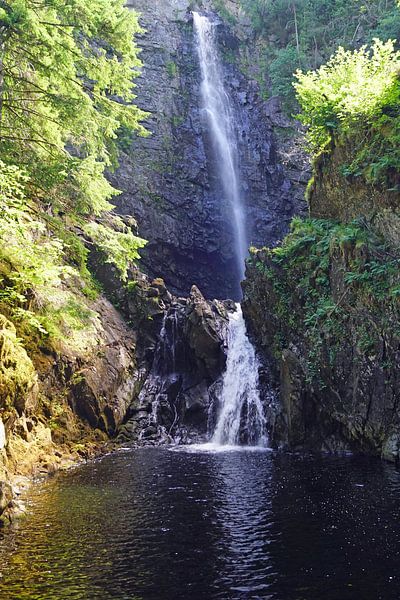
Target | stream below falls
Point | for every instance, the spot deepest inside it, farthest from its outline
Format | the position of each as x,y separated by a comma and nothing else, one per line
186,524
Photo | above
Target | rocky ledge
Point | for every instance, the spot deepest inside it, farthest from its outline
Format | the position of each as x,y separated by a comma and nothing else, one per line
324,306
148,376
189,360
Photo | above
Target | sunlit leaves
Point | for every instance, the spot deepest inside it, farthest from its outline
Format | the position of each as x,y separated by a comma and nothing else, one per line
65,90
351,86
119,247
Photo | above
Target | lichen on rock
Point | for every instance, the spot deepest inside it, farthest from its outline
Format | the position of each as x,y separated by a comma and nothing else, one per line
18,376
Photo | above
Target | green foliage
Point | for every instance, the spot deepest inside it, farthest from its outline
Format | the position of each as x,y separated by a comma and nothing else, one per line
225,13
119,247
350,87
172,69
308,298
75,252
388,27
286,62
313,29
177,120
65,90
356,96
66,93
36,283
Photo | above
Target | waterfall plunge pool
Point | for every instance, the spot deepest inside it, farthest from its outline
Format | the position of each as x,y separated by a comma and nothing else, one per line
155,524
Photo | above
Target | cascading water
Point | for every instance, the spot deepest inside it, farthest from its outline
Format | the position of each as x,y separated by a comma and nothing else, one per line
219,118
241,417
157,425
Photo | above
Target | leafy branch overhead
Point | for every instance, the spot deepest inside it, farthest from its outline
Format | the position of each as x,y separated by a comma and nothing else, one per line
65,89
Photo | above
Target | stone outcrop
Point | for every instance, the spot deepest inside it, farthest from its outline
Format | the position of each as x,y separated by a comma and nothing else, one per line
59,404
325,310
150,381
169,180
101,387
339,391
188,362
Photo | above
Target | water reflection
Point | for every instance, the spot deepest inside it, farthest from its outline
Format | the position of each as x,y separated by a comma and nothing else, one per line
160,525
241,493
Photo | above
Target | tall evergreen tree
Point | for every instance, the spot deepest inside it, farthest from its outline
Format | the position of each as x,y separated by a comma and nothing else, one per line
66,75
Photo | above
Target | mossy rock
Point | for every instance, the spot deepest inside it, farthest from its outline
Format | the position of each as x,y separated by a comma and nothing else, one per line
17,373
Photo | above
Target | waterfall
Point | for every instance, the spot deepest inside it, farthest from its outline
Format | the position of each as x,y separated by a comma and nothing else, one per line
219,118
241,418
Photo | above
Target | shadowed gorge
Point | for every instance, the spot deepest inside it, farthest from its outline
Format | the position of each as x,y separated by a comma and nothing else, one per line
199,299
173,181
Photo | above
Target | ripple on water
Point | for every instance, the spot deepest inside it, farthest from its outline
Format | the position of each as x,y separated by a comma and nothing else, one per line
154,524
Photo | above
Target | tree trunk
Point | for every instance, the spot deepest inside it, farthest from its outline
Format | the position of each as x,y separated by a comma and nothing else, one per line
296,30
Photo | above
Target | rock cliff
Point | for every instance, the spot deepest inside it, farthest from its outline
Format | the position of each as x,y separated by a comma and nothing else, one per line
333,195
187,367
180,356
145,374
59,404
169,180
325,308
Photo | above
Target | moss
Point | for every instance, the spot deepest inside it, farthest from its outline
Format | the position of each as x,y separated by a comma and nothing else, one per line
310,188
177,120
172,69
326,279
229,55
17,373
224,12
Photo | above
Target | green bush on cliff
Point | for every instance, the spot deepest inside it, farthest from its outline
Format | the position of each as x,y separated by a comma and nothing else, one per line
311,31
355,98
311,298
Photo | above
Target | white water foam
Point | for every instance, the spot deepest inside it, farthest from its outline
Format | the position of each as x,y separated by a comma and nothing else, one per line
211,448
241,418
220,121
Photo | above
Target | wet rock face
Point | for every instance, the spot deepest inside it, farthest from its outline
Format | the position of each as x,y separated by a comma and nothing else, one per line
189,359
169,180
349,399
55,400
101,387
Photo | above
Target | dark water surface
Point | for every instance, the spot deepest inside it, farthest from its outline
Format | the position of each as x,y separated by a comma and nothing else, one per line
164,525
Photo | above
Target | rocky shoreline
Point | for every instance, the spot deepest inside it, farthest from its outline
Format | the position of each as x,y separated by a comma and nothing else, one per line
147,385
